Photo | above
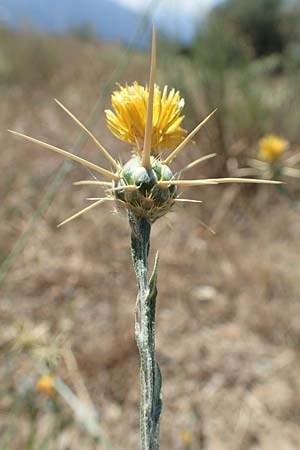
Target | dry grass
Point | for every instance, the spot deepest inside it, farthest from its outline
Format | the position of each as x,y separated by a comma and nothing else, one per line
228,306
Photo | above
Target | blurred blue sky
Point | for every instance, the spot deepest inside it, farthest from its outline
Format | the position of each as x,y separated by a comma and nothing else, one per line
169,7
110,19
178,18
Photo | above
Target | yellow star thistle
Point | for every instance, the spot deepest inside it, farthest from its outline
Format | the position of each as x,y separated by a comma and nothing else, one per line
150,119
46,385
274,162
128,121
147,188
271,148
187,437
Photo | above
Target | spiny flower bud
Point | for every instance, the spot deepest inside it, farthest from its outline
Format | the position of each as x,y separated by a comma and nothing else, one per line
139,188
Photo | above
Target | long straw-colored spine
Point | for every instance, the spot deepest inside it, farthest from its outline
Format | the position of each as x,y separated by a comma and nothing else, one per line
146,162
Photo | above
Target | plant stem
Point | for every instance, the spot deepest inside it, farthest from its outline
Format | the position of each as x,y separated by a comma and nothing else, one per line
150,377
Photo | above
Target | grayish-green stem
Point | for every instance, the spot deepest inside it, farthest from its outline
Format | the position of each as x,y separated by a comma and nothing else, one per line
150,377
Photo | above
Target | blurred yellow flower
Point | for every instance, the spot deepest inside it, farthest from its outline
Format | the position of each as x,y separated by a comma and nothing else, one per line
45,384
187,437
272,147
128,121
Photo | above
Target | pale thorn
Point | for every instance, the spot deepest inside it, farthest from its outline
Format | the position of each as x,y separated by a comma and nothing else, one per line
119,200
69,155
127,187
291,172
100,198
146,162
206,227
82,211
257,163
246,172
197,161
294,159
96,182
89,133
165,184
245,180
187,200
187,139
216,181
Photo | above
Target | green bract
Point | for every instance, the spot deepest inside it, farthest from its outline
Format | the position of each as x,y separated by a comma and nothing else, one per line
149,200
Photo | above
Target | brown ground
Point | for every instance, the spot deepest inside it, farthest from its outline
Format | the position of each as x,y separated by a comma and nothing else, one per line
228,306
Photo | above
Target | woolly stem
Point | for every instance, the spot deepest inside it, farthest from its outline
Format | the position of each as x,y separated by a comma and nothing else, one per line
150,377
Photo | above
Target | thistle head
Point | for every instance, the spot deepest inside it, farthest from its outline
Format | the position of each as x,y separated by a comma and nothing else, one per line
150,120
45,384
271,148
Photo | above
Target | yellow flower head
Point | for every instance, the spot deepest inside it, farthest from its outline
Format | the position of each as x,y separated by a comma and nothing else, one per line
187,437
272,147
128,121
45,384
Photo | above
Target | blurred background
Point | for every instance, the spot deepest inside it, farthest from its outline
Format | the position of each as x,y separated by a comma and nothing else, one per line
228,320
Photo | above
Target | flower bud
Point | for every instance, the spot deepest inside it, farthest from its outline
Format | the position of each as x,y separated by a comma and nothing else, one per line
148,200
